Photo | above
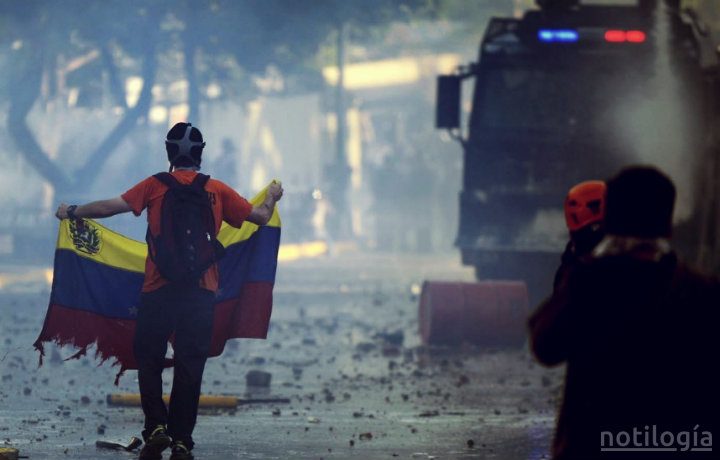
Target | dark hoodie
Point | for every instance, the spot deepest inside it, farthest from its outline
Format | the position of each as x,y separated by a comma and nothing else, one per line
637,330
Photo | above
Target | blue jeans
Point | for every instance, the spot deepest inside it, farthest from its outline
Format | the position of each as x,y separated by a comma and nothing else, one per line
188,313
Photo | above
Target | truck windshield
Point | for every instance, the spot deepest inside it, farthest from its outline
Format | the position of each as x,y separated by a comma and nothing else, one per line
558,101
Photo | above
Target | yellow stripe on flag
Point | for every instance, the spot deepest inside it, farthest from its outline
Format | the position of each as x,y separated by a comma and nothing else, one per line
230,235
99,243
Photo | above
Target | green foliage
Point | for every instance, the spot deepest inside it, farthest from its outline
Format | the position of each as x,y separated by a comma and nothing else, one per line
234,38
205,41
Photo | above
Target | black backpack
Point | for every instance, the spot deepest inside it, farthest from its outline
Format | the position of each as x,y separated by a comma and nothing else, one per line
186,246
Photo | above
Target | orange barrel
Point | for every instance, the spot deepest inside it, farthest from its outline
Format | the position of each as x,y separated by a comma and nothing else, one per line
488,313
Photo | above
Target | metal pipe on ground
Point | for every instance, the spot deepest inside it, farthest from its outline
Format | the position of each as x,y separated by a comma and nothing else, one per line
206,401
8,453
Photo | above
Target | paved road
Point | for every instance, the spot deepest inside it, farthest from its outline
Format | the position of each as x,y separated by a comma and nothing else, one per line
323,353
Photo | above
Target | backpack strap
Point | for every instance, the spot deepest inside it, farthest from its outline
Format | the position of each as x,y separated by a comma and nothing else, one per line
170,181
167,179
200,181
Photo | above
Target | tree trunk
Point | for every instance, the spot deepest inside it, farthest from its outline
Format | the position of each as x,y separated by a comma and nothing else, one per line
86,175
116,87
26,90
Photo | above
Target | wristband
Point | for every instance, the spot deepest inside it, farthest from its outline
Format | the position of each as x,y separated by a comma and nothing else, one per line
70,211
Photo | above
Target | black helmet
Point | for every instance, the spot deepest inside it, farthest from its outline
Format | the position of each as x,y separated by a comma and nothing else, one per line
184,145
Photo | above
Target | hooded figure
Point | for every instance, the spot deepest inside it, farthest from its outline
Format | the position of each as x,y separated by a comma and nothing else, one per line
635,327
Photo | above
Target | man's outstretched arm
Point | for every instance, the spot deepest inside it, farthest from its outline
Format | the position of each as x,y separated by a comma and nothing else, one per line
96,209
261,215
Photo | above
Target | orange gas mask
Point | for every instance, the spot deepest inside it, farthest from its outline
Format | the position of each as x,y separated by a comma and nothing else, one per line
585,205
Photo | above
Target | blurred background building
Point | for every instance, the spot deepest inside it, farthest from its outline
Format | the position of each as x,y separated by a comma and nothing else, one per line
333,98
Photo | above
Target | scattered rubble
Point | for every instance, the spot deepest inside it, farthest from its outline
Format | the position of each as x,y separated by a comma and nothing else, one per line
358,371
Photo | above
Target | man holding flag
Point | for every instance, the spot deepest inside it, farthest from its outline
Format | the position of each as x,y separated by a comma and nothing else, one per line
185,211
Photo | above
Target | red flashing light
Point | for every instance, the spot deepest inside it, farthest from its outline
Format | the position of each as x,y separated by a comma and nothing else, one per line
622,36
615,36
635,36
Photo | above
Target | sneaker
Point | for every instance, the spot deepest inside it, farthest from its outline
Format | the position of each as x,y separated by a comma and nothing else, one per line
180,452
157,442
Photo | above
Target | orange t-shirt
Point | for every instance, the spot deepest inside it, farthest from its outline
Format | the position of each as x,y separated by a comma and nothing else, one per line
227,206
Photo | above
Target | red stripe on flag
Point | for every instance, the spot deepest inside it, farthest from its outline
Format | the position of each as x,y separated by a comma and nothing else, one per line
113,337
246,316
252,312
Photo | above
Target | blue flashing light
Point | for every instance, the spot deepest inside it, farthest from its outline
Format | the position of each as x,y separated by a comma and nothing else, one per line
558,35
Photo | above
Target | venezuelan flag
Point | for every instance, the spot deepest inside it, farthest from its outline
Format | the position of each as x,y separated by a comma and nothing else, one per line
98,276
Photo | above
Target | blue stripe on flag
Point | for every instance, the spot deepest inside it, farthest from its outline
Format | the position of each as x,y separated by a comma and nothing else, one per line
84,284
259,252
